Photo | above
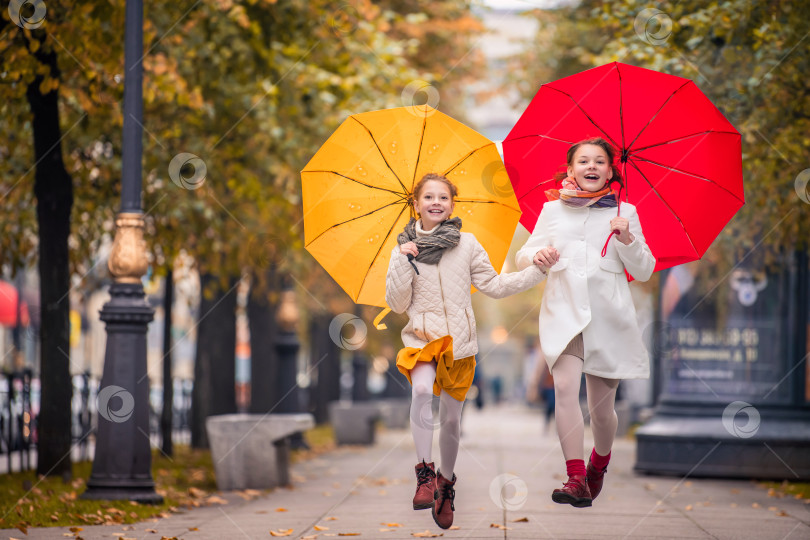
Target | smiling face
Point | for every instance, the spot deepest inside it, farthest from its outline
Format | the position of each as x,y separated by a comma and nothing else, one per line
434,204
591,167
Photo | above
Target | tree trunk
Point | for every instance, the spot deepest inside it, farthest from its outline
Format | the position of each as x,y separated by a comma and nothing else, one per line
261,311
53,189
326,362
168,388
215,363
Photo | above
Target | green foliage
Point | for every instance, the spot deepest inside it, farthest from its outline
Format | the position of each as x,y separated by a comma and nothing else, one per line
251,87
749,58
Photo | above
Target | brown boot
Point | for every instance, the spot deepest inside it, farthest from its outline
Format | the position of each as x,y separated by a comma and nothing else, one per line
425,486
595,480
574,492
443,507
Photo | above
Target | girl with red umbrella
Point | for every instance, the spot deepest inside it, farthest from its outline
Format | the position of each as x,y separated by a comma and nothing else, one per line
587,318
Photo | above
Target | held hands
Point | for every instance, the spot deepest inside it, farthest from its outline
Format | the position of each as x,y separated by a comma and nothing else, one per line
546,257
622,228
409,248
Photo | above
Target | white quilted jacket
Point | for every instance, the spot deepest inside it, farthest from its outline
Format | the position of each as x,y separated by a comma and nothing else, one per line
437,300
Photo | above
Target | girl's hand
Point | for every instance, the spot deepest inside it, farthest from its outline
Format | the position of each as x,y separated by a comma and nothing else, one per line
409,248
546,257
622,225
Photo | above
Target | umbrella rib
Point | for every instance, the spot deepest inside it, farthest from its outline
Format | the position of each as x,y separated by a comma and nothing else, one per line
460,161
399,193
684,137
541,136
381,153
621,107
693,175
586,114
387,235
656,113
419,152
652,187
354,218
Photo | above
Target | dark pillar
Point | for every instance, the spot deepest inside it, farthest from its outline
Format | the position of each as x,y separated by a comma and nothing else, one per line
123,458
733,401
326,363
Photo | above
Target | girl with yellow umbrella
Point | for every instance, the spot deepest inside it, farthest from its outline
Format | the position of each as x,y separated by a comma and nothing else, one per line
429,277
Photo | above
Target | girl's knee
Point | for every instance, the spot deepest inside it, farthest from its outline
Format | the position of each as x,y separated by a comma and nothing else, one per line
603,416
422,391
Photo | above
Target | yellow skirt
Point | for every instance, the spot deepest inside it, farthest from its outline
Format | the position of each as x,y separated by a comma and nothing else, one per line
453,376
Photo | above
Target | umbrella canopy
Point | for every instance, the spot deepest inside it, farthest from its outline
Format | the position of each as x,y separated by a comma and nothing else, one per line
680,157
357,192
8,306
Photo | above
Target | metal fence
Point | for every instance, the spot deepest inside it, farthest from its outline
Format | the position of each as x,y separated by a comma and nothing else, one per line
19,409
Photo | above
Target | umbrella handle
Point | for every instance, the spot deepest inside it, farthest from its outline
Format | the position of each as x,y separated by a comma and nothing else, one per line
378,324
618,213
410,260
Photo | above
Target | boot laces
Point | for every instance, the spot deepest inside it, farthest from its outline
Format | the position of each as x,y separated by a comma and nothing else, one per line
447,493
424,475
571,483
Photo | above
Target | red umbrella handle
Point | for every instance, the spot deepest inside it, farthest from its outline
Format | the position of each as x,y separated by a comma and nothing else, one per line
618,213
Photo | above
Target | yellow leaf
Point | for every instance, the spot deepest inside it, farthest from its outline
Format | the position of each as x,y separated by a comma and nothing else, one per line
427,534
281,509
281,532
320,528
521,520
193,529
392,524
348,534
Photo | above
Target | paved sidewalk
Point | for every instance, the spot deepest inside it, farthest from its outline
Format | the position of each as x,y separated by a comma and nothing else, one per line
368,491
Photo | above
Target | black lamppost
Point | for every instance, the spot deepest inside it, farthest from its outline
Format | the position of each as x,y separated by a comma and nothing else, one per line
122,463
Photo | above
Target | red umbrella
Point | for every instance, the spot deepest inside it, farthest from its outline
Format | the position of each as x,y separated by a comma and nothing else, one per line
680,157
8,306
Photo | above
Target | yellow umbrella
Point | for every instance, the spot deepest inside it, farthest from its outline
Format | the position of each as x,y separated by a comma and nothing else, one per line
357,192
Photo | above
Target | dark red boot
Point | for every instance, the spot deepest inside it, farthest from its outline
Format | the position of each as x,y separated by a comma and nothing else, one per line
574,492
595,479
425,486
443,507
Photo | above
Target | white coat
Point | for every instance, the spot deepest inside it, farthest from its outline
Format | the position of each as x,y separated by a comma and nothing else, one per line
589,293
437,299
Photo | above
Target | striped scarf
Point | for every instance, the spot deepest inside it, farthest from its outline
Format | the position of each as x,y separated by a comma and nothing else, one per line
572,195
431,247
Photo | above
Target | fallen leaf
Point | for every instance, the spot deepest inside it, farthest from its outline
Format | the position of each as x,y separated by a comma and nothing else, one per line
320,528
734,505
75,529
382,492
153,531
392,524
330,518
755,505
193,529
327,494
781,513
213,499
386,530
280,510
309,537
499,526
688,507
427,534
281,532
454,528
168,538
196,492
521,520
348,534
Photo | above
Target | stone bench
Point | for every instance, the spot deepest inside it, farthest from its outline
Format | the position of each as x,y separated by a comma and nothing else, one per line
251,451
353,422
395,412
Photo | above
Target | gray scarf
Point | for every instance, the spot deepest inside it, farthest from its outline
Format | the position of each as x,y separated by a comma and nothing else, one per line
431,247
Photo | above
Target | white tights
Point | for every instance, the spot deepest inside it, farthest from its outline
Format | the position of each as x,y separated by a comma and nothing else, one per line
423,424
601,392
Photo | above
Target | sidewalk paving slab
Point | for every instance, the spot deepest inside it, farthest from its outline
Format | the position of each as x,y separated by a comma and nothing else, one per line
365,489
